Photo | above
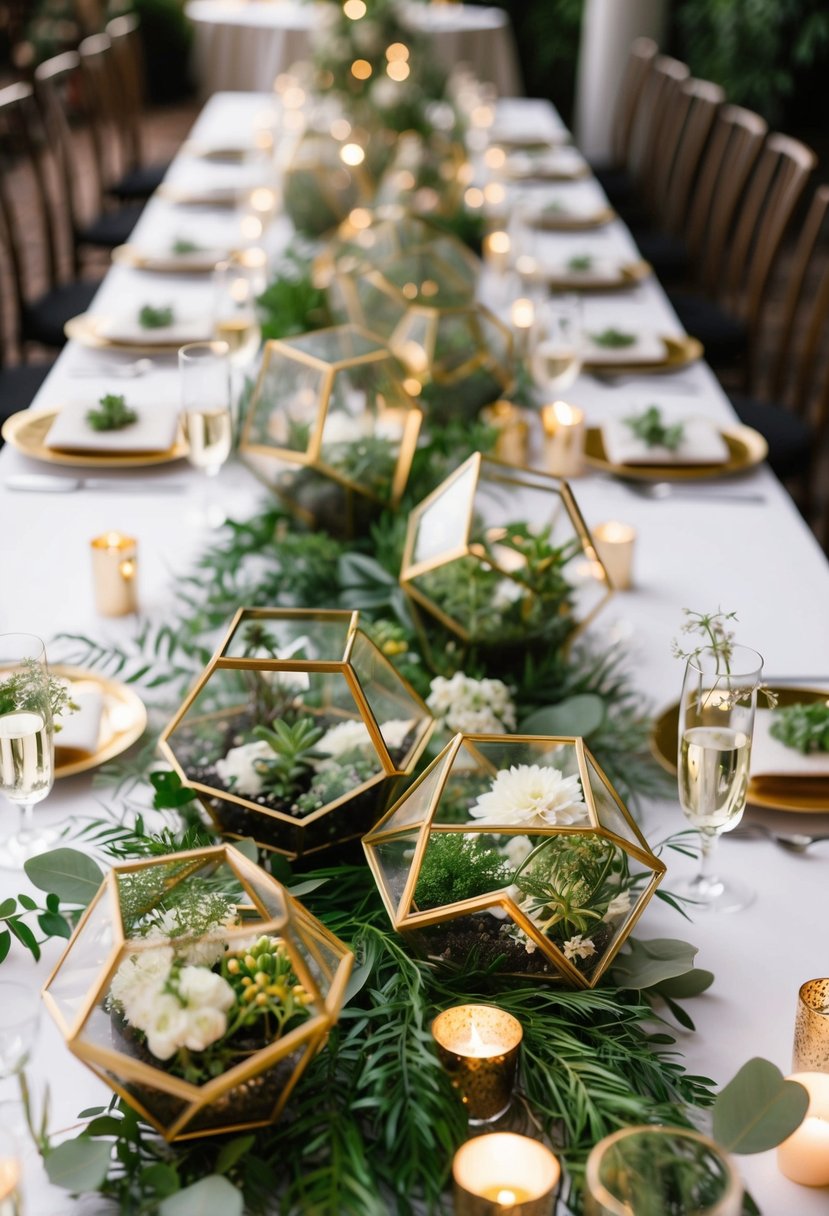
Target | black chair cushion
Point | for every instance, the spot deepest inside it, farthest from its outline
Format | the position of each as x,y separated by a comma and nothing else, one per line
789,438
724,336
111,228
43,320
666,253
18,386
140,182
616,183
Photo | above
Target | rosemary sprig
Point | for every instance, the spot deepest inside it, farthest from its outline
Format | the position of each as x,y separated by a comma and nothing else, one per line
613,339
111,414
582,261
652,430
183,245
155,318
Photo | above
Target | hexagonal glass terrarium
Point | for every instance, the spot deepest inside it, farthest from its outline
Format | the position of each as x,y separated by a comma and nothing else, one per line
198,989
297,731
514,852
330,427
475,566
376,272
320,186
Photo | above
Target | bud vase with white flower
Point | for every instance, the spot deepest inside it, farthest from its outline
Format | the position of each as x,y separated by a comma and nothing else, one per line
513,852
296,730
212,990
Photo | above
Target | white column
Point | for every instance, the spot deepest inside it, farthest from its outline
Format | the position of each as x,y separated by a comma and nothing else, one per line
608,28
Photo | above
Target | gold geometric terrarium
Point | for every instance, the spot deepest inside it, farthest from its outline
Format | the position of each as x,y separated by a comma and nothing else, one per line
151,991
376,272
322,184
514,851
472,563
297,731
330,427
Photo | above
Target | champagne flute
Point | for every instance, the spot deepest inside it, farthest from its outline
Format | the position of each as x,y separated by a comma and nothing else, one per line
652,1170
238,283
716,720
27,768
206,415
556,345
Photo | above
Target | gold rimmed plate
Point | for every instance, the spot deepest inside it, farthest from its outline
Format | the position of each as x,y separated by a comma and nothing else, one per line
86,329
629,274
746,449
564,221
28,429
187,196
679,352
221,154
169,263
123,721
798,794
546,173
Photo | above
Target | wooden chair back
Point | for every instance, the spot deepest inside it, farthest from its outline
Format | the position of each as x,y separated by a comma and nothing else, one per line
798,304
699,103
103,106
640,60
732,153
128,62
661,96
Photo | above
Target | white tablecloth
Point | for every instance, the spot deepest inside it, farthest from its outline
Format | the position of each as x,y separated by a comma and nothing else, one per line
245,44
757,559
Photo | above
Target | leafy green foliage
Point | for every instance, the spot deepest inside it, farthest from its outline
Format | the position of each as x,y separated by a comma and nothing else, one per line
456,868
804,726
652,430
570,881
30,689
184,245
288,771
155,318
111,414
293,303
581,262
758,1109
613,339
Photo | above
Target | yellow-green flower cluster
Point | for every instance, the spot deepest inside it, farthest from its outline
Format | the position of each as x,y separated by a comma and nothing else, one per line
263,977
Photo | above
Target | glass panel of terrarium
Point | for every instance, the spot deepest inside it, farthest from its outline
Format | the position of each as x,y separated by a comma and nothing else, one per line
286,404
414,808
401,720
83,964
252,1101
394,859
607,808
380,306
263,892
460,865
318,955
163,1107
305,637
145,893
443,526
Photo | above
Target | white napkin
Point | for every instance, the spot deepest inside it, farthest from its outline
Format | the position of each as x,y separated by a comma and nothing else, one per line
600,270
648,347
701,442
153,431
556,162
771,758
127,329
81,730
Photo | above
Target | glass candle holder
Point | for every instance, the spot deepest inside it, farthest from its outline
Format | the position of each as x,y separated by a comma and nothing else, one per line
478,1046
564,435
641,1170
512,431
614,544
115,573
811,1028
804,1156
503,1173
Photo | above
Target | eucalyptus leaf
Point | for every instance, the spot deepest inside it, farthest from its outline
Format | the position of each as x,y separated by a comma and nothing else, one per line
306,887
161,1178
248,847
691,983
68,873
210,1196
758,1108
579,715
646,963
233,1151
79,1165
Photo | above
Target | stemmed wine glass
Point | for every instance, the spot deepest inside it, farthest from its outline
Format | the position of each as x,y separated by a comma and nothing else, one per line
27,748
206,414
238,283
716,721
556,345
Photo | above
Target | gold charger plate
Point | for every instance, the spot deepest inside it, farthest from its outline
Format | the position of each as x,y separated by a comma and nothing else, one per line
86,330
123,721
629,274
776,793
560,221
28,429
575,174
679,352
188,197
130,255
746,448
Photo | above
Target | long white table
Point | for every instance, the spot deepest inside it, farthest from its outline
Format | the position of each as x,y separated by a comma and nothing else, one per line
245,44
758,559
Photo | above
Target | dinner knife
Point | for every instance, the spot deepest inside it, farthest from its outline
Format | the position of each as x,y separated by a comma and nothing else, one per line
47,483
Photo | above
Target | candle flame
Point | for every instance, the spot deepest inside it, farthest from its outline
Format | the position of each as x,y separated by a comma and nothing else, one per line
477,1046
505,1197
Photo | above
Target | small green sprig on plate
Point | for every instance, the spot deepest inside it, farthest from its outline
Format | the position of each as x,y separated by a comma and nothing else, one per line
652,430
111,414
155,318
582,262
613,339
804,726
182,245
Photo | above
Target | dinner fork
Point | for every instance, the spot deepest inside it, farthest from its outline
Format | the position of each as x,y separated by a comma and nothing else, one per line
119,371
666,489
792,842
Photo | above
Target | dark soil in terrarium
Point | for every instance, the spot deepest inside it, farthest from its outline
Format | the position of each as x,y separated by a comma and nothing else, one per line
480,940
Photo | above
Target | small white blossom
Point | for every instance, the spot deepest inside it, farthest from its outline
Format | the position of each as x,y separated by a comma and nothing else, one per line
143,971
167,1026
238,771
518,849
204,1026
476,707
578,947
394,732
618,906
345,737
537,795
342,428
201,988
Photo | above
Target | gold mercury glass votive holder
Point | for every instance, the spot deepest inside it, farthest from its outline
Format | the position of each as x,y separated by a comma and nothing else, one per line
502,1174
114,573
478,1046
511,429
811,1028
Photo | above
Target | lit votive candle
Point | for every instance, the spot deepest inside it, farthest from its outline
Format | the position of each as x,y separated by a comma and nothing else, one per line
114,573
804,1156
478,1046
564,435
614,544
522,315
504,1173
496,251
512,431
